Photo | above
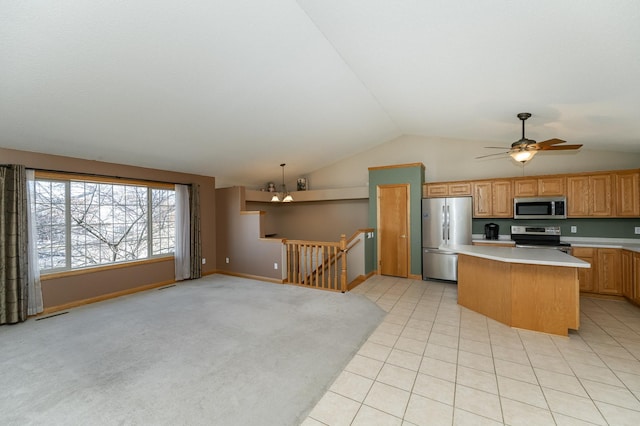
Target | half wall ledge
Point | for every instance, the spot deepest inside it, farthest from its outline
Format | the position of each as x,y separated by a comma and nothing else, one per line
354,193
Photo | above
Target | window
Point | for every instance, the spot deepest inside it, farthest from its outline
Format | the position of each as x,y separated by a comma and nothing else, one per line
82,223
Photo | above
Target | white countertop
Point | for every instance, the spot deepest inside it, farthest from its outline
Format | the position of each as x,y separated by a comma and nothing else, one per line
520,255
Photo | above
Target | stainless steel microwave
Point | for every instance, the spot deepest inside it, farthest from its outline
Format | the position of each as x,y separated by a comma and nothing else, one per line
540,208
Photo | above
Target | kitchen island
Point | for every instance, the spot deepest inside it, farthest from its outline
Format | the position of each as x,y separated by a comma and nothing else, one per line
533,289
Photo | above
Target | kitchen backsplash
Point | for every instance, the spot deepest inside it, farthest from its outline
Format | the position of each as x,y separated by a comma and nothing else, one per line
601,228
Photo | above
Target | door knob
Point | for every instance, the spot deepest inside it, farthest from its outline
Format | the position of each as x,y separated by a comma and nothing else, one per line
403,236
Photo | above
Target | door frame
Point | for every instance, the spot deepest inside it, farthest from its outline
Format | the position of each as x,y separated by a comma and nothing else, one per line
407,187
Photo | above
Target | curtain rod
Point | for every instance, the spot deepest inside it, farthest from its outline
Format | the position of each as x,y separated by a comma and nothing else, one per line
105,176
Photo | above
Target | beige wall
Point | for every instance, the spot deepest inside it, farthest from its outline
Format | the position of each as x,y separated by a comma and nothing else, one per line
449,159
239,235
316,221
71,289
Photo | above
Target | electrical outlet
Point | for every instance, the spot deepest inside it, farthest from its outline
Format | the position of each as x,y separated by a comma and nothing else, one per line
637,230
574,229
226,260
275,265
204,260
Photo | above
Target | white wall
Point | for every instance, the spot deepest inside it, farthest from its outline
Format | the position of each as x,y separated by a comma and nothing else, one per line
450,159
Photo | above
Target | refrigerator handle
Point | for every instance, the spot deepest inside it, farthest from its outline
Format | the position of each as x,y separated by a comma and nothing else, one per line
448,224
444,224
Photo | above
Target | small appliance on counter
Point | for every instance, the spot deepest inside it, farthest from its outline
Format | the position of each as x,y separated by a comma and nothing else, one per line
491,231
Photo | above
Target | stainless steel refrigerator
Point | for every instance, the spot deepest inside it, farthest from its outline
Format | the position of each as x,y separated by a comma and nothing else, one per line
445,222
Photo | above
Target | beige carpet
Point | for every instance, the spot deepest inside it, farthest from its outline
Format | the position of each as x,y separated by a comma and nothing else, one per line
215,351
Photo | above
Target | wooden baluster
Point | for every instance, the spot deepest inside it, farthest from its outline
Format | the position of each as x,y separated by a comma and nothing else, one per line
343,278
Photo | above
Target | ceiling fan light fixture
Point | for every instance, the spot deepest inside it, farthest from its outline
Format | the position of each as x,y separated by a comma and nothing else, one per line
523,155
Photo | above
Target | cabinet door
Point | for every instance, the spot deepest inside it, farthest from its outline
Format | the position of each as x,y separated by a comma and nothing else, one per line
502,198
482,203
628,194
586,276
459,189
609,271
525,187
636,277
437,190
626,258
600,199
577,196
551,186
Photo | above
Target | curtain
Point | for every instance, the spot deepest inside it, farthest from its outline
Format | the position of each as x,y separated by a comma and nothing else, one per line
34,287
13,244
182,253
196,242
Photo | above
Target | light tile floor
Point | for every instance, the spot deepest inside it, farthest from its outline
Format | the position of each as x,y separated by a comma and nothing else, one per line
432,362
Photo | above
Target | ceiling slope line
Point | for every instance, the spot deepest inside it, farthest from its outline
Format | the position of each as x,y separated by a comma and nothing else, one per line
357,76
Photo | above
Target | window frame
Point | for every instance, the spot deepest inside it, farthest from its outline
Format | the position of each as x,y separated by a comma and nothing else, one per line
67,178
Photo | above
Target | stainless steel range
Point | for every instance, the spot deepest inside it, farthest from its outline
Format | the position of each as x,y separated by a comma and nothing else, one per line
539,237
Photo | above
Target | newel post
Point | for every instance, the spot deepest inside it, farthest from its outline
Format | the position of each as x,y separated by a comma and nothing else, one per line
343,275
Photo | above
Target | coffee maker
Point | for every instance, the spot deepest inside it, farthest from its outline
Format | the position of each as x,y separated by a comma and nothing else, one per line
491,231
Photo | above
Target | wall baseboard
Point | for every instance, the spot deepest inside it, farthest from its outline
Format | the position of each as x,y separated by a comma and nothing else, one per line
359,280
103,297
253,277
415,277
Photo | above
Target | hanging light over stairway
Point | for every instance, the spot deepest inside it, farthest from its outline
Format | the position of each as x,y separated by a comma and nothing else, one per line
283,196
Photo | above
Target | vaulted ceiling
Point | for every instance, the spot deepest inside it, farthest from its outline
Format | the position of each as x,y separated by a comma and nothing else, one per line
234,88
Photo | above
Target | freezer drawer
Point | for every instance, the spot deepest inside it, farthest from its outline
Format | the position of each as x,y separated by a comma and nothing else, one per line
439,265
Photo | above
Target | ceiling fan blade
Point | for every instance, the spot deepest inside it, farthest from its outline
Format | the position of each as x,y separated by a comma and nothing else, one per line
492,155
560,148
550,142
496,147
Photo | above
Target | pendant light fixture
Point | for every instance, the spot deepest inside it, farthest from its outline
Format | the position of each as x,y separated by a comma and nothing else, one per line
284,197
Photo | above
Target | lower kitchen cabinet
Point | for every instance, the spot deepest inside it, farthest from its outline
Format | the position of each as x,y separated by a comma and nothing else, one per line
586,275
627,274
609,271
635,280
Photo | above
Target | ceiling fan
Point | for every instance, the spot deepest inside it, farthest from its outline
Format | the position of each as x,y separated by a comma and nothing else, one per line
524,149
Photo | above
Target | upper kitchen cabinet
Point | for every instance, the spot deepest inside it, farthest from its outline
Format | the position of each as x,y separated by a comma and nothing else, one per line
627,193
539,187
590,195
447,189
493,198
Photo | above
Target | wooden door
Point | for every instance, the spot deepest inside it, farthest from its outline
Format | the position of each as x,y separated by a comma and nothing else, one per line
482,203
609,271
393,230
577,196
502,198
628,194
